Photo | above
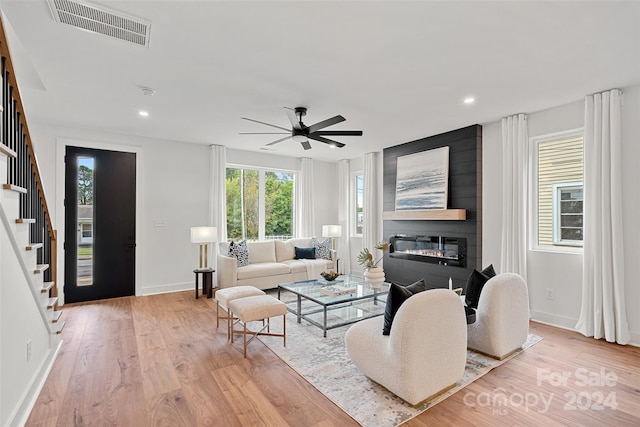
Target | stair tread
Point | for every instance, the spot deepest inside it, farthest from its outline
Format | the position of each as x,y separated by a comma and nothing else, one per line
46,286
60,327
15,188
40,268
52,302
25,221
56,316
34,246
7,151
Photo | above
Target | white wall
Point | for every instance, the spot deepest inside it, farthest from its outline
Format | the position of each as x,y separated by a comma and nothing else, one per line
558,271
175,188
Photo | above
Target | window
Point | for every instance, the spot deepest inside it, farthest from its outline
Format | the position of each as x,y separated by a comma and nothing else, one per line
87,230
358,214
259,204
558,190
567,213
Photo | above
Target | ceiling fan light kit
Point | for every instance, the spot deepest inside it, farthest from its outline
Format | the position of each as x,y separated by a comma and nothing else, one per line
301,133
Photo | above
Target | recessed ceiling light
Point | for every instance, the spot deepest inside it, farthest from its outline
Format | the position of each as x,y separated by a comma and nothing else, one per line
469,100
143,113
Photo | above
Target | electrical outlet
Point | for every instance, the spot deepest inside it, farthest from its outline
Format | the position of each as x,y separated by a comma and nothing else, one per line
28,350
550,294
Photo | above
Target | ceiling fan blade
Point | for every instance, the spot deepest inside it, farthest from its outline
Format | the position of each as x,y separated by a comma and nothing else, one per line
264,133
268,124
306,145
279,140
339,132
326,141
293,119
325,123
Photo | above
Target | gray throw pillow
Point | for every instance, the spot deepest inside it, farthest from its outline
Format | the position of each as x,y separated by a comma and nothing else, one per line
240,252
323,249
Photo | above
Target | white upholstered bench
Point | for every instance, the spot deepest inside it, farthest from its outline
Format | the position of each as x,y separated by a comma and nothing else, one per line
254,308
225,296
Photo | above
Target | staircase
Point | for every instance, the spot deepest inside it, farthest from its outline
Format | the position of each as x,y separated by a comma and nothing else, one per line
30,319
19,229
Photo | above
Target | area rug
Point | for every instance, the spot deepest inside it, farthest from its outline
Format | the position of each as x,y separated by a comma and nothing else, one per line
325,364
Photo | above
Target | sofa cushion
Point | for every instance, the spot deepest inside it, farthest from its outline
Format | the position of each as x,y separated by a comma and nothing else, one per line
323,249
301,242
262,251
240,252
475,283
296,266
397,295
284,250
262,269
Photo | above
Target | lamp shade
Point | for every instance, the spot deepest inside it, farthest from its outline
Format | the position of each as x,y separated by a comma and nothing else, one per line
331,231
204,234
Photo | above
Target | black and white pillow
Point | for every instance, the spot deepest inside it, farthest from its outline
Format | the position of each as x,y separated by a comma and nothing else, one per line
323,249
240,252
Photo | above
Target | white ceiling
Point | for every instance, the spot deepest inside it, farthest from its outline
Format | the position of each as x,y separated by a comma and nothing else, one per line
396,70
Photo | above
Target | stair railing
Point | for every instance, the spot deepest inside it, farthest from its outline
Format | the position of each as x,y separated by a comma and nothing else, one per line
23,170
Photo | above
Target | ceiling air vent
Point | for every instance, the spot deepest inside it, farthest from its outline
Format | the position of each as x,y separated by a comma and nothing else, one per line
100,20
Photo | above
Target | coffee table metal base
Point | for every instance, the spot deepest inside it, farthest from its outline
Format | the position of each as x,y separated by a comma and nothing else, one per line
317,312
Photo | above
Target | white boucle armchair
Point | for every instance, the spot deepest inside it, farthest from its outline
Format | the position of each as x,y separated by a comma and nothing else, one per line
424,354
502,316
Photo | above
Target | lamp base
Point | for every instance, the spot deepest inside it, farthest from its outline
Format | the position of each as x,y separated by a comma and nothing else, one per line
204,258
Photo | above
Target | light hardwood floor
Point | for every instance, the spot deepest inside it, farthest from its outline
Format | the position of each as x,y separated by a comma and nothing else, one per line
160,361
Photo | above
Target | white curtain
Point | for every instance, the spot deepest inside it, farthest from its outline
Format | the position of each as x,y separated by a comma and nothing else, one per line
218,190
515,137
345,204
603,311
371,212
305,221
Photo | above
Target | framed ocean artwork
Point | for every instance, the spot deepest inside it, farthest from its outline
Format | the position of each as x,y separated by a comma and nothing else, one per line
422,180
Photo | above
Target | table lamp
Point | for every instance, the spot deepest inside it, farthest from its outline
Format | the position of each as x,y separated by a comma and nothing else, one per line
204,236
332,231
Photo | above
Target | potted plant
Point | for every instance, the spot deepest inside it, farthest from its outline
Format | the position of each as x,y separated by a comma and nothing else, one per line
373,273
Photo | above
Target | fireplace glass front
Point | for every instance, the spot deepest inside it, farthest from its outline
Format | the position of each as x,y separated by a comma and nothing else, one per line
434,249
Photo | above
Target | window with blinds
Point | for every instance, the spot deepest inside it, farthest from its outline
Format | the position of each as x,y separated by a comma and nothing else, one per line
560,167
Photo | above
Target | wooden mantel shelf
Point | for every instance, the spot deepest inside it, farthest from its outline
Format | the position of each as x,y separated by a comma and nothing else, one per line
430,215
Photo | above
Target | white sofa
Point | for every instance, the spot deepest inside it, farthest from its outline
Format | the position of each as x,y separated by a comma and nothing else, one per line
502,316
271,262
424,354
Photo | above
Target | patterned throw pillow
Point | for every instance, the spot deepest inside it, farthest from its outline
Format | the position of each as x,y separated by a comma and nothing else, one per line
323,249
239,251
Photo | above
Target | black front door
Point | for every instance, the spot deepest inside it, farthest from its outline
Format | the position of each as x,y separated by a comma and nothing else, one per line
100,233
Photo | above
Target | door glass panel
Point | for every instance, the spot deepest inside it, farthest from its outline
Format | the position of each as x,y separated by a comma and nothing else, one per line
86,166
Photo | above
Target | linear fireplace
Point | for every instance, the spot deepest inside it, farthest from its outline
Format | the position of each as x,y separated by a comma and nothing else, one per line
434,249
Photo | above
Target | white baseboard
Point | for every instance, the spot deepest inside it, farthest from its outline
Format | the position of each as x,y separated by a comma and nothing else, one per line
30,396
168,288
554,320
570,323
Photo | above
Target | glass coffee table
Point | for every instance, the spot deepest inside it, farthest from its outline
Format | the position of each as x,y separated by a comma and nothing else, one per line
329,305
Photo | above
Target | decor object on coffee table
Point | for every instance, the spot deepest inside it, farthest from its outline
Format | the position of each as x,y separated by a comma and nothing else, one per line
372,273
424,355
330,276
502,317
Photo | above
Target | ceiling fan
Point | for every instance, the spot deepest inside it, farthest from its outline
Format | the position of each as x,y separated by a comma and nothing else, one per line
301,133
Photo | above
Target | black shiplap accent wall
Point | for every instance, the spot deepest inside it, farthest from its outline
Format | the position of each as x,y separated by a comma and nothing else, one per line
465,192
